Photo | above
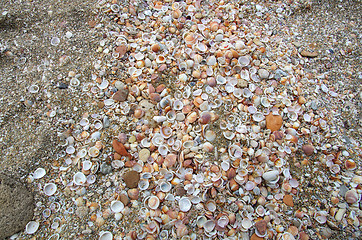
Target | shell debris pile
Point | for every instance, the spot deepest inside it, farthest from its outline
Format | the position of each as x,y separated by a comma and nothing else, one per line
204,115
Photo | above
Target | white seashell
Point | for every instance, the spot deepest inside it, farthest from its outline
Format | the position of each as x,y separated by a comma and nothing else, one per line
143,184
160,59
211,60
87,165
244,74
271,175
220,79
39,173
223,221
235,151
200,221
79,178
246,223
157,139
84,122
91,179
258,117
33,88
159,119
104,84
211,206
225,165
139,56
244,61
165,186
95,136
184,204
287,236
98,125
229,135
210,135
50,189
209,225
105,235
171,116
260,210
188,144
177,145
108,102
163,149
265,102
117,206
247,93
183,77
31,227
201,47
93,151
70,150
249,185
145,142
238,92
153,202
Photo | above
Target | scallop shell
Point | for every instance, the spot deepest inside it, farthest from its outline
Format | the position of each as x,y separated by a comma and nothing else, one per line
184,204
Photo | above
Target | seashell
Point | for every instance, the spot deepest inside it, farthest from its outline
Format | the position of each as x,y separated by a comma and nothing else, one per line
229,135
220,79
214,26
209,225
235,151
205,118
201,47
247,93
334,168
184,204
133,193
200,221
163,235
166,132
170,160
155,47
70,150
260,210
105,235
211,61
188,144
91,179
33,89
246,223
210,206
349,164
153,202
50,189
143,184
190,39
31,227
258,117
177,145
223,221
86,165
165,186
79,178
287,236
93,152
208,147
244,61
117,206
249,185
191,118
351,196
271,175
178,105
39,173
163,149
210,135
157,139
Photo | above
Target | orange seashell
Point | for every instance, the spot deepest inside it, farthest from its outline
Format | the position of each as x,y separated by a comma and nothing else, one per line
155,47
214,26
120,149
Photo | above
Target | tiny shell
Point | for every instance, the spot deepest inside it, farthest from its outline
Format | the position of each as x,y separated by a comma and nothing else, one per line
79,178
31,227
117,206
351,196
209,225
105,235
153,202
184,204
39,173
93,152
50,189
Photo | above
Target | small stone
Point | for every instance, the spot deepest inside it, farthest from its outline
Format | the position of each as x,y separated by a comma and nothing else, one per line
144,154
16,206
274,122
121,95
82,211
305,53
124,199
288,200
62,85
263,74
261,227
303,236
308,149
131,179
92,23
340,214
326,232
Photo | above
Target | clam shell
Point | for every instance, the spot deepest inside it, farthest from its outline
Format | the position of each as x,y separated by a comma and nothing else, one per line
50,189
200,221
246,223
153,202
86,165
39,173
31,227
166,132
93,151
165,186
209,225
235,151
244,61
117,206
184,204
79,178
271,175
105,235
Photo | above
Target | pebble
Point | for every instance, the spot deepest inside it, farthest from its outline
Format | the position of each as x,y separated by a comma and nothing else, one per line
274,122
144,154
340,213
308,149
263,74
105,168
131,179
326,232
288,200
121,95
305,53
261,226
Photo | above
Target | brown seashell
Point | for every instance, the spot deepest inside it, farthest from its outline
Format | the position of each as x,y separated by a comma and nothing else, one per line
124,198
350,164
274,122
138,113
155,47
214,26
288,200
131,179
120,149
261,227
121,95
278,135
133,193
308,149
233,185
205,118
231,173
121,50
351,196
155,97
170,160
